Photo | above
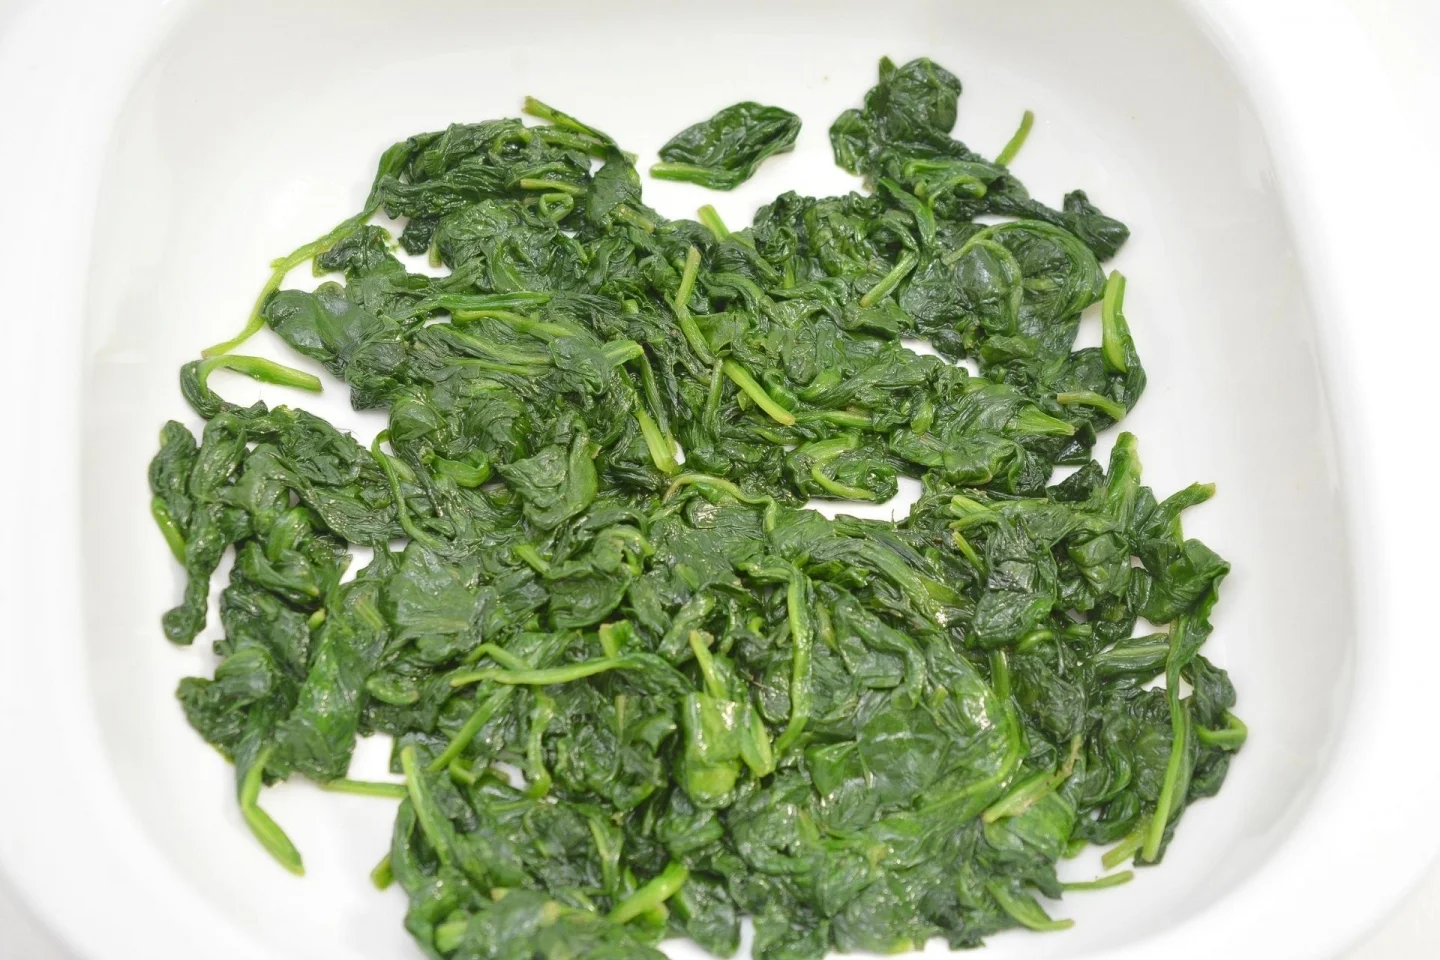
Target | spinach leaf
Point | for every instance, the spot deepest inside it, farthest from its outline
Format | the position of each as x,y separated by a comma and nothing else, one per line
724,151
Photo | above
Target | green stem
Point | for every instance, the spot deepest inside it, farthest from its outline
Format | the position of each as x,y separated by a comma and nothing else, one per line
484,711
1033,639
279,269
366,788
536,328
801,640
1027,120
681,305
1170,794
891,280
169,529
1231,737
554,186
499,654
837,489
402,512
382,876
1126,848
258,368
1032,791
742,379
686,172
653,894
1089,398
662,452
1114,329
1101,883
266,830
625,214
543,111
1024,910
711,218
840,418
545,677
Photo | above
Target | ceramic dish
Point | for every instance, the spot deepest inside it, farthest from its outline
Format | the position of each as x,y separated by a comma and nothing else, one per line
166,151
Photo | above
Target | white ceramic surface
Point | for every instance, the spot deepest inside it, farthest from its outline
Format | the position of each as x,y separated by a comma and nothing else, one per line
182,145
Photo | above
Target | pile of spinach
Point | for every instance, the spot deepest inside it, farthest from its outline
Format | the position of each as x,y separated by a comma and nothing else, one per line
636,688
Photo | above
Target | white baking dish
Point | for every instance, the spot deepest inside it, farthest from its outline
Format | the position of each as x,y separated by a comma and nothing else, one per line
158,154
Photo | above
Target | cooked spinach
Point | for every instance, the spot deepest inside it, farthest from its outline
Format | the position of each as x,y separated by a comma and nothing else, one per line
637,688
724,151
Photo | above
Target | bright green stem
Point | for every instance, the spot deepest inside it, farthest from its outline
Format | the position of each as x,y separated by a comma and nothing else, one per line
543,678
266,830
564,121
1101,883
169,529
366,788
1033,639
706,662
538,329
711,218
802,639
891,280
1032,791
662,450
681,305
840,418
724,486
1231,737
402,512
427,815
625,214
1017,141
449,934
1125,849
1114,329
686,172
1034,422
837,489
499,654
742,379
963,545
484,710
382,876
528,555
1025,910
538,777
1089,398
1179,734
279,269
653,894
553,186
258,368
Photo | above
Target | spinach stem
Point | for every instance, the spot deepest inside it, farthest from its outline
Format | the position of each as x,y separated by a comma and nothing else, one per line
742,379
169,528
366,788
1089,398
711,218
891,280
681,305
279,269
1114,329
1100,883
266,830
547,676
1017,140
664,886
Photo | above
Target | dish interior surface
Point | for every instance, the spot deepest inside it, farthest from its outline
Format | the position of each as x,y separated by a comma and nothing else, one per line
256,126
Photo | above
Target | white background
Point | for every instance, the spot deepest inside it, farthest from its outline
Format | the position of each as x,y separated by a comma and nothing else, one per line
1408,31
